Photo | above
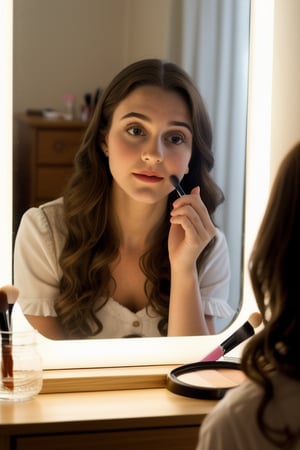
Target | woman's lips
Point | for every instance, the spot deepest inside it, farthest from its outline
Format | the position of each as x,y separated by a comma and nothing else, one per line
148,178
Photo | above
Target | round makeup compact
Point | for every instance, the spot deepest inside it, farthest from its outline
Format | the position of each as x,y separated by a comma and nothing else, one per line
205,380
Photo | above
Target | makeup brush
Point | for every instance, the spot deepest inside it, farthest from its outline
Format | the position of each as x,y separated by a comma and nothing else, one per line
8,296
11,293
175,182
4,311
240,335
7,362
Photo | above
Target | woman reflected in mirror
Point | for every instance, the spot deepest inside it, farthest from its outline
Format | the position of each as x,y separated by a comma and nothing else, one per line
120,253
263,413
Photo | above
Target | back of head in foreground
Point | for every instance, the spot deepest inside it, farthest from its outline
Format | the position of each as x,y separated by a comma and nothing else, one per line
274,273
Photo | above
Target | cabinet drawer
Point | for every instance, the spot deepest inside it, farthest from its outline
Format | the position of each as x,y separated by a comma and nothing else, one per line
58,147
51,181
178,438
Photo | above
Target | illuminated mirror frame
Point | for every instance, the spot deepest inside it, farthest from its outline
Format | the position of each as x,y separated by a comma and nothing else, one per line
153,351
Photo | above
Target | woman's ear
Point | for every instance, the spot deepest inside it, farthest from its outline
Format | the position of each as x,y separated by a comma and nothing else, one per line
104,147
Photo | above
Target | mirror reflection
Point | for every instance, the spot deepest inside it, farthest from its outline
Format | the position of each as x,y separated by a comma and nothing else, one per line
44,167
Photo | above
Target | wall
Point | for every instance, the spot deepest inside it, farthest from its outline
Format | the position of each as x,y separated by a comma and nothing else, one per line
78,45
286,80
149,25
60,46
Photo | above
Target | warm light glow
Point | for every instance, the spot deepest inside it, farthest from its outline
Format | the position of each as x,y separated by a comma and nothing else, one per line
6,141
259,126
118,352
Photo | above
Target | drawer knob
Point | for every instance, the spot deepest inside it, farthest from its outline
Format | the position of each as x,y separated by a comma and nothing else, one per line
58,146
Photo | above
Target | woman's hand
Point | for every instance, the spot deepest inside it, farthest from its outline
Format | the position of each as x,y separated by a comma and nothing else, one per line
190,232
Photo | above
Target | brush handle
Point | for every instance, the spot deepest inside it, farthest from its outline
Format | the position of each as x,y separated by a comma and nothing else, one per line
240,335
214,355
4,325
175,182
7,366
179,190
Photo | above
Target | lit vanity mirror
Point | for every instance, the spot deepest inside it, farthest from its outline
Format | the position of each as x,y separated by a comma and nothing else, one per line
117,352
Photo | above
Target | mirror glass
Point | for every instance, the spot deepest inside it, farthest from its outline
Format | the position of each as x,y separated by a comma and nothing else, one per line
77,46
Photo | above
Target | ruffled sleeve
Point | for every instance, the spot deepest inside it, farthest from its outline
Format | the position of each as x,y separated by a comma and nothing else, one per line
37,249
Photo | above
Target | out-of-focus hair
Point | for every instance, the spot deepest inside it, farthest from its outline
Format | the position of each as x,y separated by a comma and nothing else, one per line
274,273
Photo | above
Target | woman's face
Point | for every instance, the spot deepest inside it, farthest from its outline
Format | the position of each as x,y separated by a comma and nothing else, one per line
150,138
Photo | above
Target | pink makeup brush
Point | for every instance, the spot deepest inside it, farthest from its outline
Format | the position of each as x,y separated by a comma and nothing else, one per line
240,335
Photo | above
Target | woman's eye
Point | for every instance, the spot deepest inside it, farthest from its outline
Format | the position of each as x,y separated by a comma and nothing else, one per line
135,131
176,139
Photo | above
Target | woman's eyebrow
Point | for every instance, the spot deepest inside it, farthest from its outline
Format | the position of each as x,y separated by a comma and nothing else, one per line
146,118
137,115
181,124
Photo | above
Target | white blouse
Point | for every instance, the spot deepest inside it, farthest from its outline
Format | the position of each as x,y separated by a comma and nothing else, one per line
39,242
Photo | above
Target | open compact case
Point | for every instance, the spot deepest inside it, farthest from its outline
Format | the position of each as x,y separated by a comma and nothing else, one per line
208,380
211,378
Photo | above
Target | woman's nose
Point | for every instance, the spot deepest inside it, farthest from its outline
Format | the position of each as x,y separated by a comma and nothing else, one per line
153,153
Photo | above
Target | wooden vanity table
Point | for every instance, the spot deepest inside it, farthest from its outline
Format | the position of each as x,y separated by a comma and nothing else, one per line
118,417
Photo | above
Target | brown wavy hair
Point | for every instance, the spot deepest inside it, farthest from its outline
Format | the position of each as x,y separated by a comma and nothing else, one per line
92,240
274,273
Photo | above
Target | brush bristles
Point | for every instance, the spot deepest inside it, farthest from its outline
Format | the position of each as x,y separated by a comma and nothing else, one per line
255,319
3,302
11,292
174,180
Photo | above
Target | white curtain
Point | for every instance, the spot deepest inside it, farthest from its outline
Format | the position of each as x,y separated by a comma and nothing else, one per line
214,49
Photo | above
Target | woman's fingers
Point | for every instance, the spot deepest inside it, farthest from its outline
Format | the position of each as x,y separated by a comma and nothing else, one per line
190,210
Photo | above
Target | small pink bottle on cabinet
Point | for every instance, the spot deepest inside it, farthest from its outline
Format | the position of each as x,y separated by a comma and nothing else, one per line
69,102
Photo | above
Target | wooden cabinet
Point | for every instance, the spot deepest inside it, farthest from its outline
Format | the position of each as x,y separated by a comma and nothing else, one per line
130,419
44,151
121,408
